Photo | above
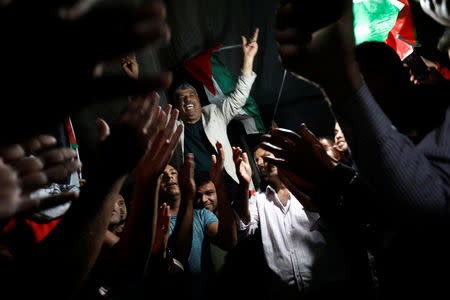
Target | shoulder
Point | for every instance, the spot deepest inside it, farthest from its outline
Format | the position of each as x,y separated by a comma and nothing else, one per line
205,216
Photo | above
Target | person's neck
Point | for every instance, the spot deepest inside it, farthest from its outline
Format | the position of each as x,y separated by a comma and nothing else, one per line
174,203
192,121
280,189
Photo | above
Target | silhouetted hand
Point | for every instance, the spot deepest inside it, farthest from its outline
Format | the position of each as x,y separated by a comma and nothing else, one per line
24,173
161,145
128,143
302,154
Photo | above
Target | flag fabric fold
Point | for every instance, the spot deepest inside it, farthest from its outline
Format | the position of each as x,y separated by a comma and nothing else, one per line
388,21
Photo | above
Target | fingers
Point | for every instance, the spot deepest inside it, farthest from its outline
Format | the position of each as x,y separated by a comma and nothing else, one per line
307,135
255,35
27,206
38,142
189,165
30,146
39,179
56,156
220,152
279,162
277,151
103,130
236,154
213,161
171,145
13,152
245,158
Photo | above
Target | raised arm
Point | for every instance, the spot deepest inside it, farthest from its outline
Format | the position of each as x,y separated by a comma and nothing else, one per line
224,233
182,233
244,173
137,240
234,102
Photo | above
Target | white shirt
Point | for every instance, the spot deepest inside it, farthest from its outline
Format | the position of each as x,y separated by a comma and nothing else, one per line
294,248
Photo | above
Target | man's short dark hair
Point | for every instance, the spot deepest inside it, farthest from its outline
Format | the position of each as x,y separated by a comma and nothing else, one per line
181,87
202,178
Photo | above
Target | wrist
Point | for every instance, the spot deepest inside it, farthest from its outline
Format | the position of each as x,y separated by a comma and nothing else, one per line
247,65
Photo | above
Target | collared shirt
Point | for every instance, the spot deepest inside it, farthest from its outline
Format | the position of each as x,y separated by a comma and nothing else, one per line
294,248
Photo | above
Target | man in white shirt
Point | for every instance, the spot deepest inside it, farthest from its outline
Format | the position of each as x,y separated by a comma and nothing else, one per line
297,246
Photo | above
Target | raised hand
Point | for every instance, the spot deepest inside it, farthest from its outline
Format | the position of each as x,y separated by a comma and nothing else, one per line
243,168
187,182
130,66
161,231
131,140
250,47
302,154
216,171
162,143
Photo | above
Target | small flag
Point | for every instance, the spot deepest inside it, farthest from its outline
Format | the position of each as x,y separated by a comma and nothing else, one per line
218,82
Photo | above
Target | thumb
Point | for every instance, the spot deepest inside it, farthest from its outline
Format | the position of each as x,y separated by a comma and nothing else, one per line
103,130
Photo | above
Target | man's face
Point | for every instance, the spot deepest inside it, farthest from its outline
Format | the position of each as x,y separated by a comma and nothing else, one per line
122,207
169,182
189,105
267,170
115,215
207,196
339,138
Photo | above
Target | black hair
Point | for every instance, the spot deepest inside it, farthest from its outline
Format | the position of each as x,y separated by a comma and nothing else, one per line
202,178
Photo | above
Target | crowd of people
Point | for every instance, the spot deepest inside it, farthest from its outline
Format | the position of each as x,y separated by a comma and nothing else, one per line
362,214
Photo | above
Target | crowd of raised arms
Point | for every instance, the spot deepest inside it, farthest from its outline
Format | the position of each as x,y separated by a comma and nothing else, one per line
363,214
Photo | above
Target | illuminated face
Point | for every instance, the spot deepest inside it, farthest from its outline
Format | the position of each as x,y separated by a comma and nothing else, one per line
115,215
122,207
339,138
189,105
266,169
169,182
207,196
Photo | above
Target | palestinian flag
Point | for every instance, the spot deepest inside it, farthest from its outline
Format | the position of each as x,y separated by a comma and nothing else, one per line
388,21
218,82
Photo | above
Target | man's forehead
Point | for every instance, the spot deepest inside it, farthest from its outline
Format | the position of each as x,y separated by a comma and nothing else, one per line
206,186
169,168
186,91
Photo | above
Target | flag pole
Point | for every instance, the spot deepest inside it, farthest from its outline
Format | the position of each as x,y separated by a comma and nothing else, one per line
278,99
